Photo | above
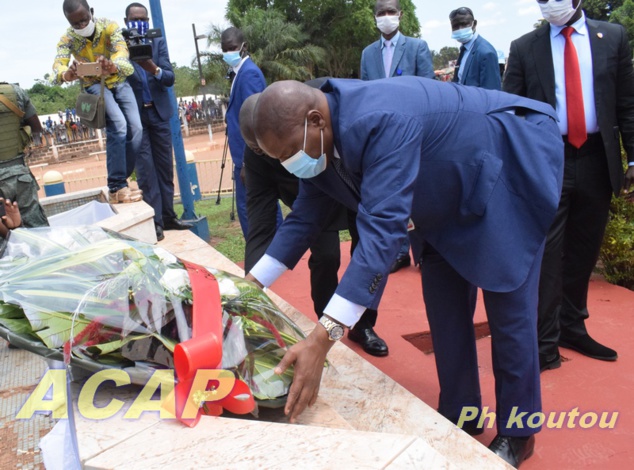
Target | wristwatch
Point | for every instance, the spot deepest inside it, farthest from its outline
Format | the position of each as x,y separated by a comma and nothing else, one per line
334,329
157,71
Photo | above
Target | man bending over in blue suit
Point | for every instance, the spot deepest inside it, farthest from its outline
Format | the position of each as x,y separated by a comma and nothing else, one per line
459,162
154,164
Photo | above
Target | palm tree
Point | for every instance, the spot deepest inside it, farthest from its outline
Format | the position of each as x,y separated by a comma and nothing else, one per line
279,48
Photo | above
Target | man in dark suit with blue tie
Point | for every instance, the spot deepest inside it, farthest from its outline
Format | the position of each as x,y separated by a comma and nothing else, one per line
154,162
584,69
460,163
478,61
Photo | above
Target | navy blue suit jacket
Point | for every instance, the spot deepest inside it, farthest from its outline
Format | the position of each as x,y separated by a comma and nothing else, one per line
449,156
248,81
411,57
481,68
158,88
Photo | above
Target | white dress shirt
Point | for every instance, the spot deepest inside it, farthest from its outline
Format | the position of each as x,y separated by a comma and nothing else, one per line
268,269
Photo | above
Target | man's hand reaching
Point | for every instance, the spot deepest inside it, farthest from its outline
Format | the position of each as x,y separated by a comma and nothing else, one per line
12,218
308,357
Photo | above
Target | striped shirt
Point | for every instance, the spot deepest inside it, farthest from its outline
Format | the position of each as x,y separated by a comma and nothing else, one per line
107,41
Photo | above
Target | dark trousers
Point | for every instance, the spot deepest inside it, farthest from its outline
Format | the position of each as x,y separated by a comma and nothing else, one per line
573,244
266,183
154,165
450,302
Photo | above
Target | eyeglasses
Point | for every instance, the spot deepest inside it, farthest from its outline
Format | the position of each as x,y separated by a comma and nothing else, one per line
460,11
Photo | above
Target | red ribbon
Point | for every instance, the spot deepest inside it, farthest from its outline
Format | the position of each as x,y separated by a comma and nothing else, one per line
203,352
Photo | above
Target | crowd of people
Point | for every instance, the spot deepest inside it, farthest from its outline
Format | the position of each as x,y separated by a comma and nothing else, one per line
63,131
490,183
200,110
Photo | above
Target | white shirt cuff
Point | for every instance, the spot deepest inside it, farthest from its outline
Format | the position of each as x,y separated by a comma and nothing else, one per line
267,270
630,164
345,312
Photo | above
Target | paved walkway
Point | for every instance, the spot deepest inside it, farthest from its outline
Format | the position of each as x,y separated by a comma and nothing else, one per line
581,383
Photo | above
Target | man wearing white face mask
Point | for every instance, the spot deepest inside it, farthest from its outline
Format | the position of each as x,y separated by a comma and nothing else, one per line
248,80
100,40
583,68
395,55
478,61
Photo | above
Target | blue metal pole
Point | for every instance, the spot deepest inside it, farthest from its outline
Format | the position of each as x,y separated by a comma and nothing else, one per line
201,227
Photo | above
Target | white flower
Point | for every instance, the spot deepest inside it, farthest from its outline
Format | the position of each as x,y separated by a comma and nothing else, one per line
175,281
165,256
228,288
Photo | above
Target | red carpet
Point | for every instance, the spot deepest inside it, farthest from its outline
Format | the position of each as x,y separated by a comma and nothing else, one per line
590,386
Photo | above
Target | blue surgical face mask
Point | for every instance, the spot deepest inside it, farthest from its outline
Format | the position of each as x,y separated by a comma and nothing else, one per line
232,58
463,35
303,165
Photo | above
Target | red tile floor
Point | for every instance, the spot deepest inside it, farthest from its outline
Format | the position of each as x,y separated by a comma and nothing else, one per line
585,384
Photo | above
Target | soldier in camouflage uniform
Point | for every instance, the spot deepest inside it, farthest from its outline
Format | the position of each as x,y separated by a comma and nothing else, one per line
16,181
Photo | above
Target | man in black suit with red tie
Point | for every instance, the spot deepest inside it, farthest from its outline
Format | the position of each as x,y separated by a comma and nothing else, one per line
584,69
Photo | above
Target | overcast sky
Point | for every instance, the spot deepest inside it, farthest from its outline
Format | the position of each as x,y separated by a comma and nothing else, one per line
29,31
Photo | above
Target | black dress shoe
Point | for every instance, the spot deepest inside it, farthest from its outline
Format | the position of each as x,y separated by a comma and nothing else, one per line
176,224
369,340
588,347
159,233
549,361
401,262
513,450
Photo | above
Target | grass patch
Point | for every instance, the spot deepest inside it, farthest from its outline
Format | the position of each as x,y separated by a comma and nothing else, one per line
226,234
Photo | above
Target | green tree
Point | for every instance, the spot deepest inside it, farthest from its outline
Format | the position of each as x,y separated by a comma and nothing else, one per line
624,15
600,9
49,99
343,28
186,80
280,48
441,59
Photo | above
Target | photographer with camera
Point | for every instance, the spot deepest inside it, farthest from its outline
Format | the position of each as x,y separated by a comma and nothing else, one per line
152,76
100,50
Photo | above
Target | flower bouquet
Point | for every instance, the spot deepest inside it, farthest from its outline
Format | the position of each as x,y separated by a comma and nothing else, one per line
113,302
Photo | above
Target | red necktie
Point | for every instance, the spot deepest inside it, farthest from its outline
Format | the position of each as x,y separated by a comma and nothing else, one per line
577,134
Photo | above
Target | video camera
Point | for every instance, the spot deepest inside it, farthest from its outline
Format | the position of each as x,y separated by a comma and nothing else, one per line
138,48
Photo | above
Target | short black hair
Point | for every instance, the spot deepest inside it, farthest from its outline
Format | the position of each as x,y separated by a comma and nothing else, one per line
398,5
461,11
71,6
134,5
232,33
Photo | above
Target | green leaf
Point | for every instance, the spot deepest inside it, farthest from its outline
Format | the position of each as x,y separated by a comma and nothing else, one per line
54,328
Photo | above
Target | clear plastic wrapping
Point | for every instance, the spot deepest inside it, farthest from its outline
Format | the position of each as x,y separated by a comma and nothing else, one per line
113,302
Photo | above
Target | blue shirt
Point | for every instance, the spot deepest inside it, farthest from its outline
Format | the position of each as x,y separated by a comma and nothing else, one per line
467,46
581,40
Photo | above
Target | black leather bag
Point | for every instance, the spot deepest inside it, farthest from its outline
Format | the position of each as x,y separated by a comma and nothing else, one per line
91,109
